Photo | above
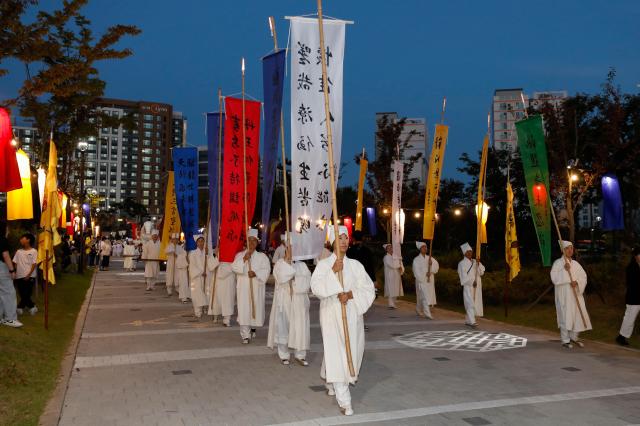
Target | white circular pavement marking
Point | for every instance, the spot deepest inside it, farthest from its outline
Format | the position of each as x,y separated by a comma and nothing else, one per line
462,340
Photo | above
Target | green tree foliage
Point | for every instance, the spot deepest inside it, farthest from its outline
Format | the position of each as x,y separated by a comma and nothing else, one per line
60,53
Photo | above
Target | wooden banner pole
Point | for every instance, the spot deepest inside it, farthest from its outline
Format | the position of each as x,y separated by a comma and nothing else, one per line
46,289
332,179
215,275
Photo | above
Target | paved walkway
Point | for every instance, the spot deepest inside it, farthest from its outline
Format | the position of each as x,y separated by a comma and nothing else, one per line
143,359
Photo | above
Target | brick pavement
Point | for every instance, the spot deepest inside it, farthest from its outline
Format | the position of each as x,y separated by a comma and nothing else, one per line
143,359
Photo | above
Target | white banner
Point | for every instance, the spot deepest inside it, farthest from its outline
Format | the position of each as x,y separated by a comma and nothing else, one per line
310,187
397,222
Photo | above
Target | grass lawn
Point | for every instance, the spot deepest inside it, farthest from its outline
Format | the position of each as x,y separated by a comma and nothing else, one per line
605,318
30,356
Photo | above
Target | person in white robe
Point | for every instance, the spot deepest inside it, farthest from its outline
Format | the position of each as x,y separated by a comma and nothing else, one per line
170,252
569,280
224,294
425,281
357,293
289,319
326,252
129,252
279,252
201,267
150,255
470,272
393,270
182,274
252,269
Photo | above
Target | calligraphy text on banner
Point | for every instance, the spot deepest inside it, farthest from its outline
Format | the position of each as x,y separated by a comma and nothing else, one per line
213,150
171,221
433,180
232,223
533,153
397,223
185,167
273,84
311,190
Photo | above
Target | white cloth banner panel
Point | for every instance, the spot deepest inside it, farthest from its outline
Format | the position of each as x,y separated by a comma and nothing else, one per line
310,188
397,225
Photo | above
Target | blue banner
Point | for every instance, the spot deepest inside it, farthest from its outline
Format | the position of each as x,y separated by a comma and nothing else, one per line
273,84
612,217
185,167
371,220
214,122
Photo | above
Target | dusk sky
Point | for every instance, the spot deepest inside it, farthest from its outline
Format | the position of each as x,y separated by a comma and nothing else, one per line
400,56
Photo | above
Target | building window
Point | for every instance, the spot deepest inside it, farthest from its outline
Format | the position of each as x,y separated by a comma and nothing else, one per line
148,117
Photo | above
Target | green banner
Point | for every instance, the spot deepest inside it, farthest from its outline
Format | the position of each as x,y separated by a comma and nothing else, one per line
533,153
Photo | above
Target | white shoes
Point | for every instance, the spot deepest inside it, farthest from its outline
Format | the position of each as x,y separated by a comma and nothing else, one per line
33,310
348,411
11,323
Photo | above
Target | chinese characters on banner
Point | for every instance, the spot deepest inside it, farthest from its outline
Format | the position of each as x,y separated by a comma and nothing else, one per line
311,192
433,180
213,151
273,85
533,153
185,166
171,221
397,221
232,223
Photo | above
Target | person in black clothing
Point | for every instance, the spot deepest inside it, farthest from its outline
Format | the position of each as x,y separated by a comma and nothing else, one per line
632,299
362,254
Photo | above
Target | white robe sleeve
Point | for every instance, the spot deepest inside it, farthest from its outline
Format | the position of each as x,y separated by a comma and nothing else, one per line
261,266
480,269
195,267
466,273
579,275
389,262
418,269
303,276
169,249
558,273
224,271
283,272
435,266
324,282
362,289
212,262
238,264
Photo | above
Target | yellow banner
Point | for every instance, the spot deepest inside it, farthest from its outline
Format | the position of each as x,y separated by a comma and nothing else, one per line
482,210
19,201
363,173
433,180
51,211
510,238
171,216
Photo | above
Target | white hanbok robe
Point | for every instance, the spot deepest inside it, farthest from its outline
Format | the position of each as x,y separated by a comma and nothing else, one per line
224,298
289,319
182,274
278,254
420,270
170,251
151,250
566,307
392,276
197,281
262,267
129,251
326,286
467,274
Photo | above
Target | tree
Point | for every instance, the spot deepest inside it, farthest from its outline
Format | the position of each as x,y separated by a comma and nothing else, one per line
130,208
60,53
592,134
391,146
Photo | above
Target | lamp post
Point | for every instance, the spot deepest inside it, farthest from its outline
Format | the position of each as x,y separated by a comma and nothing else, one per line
82,147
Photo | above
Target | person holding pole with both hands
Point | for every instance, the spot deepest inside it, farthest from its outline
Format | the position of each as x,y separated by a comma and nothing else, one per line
357,295
569,281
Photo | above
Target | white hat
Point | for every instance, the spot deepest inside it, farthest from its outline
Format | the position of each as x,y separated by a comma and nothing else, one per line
565,244
155,232
196,237
420,244
253,233
342,230
465,248
384,246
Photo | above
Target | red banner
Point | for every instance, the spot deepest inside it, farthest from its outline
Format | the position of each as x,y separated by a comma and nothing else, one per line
232,222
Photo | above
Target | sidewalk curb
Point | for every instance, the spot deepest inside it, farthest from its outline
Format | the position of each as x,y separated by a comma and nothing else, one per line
53,409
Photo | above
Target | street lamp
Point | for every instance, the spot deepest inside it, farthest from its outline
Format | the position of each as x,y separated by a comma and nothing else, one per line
457,212
82,147
416,215
574,177
385,211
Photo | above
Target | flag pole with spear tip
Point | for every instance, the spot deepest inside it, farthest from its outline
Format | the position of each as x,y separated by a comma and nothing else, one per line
219,172
272,27
444,106
332,180
244,182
